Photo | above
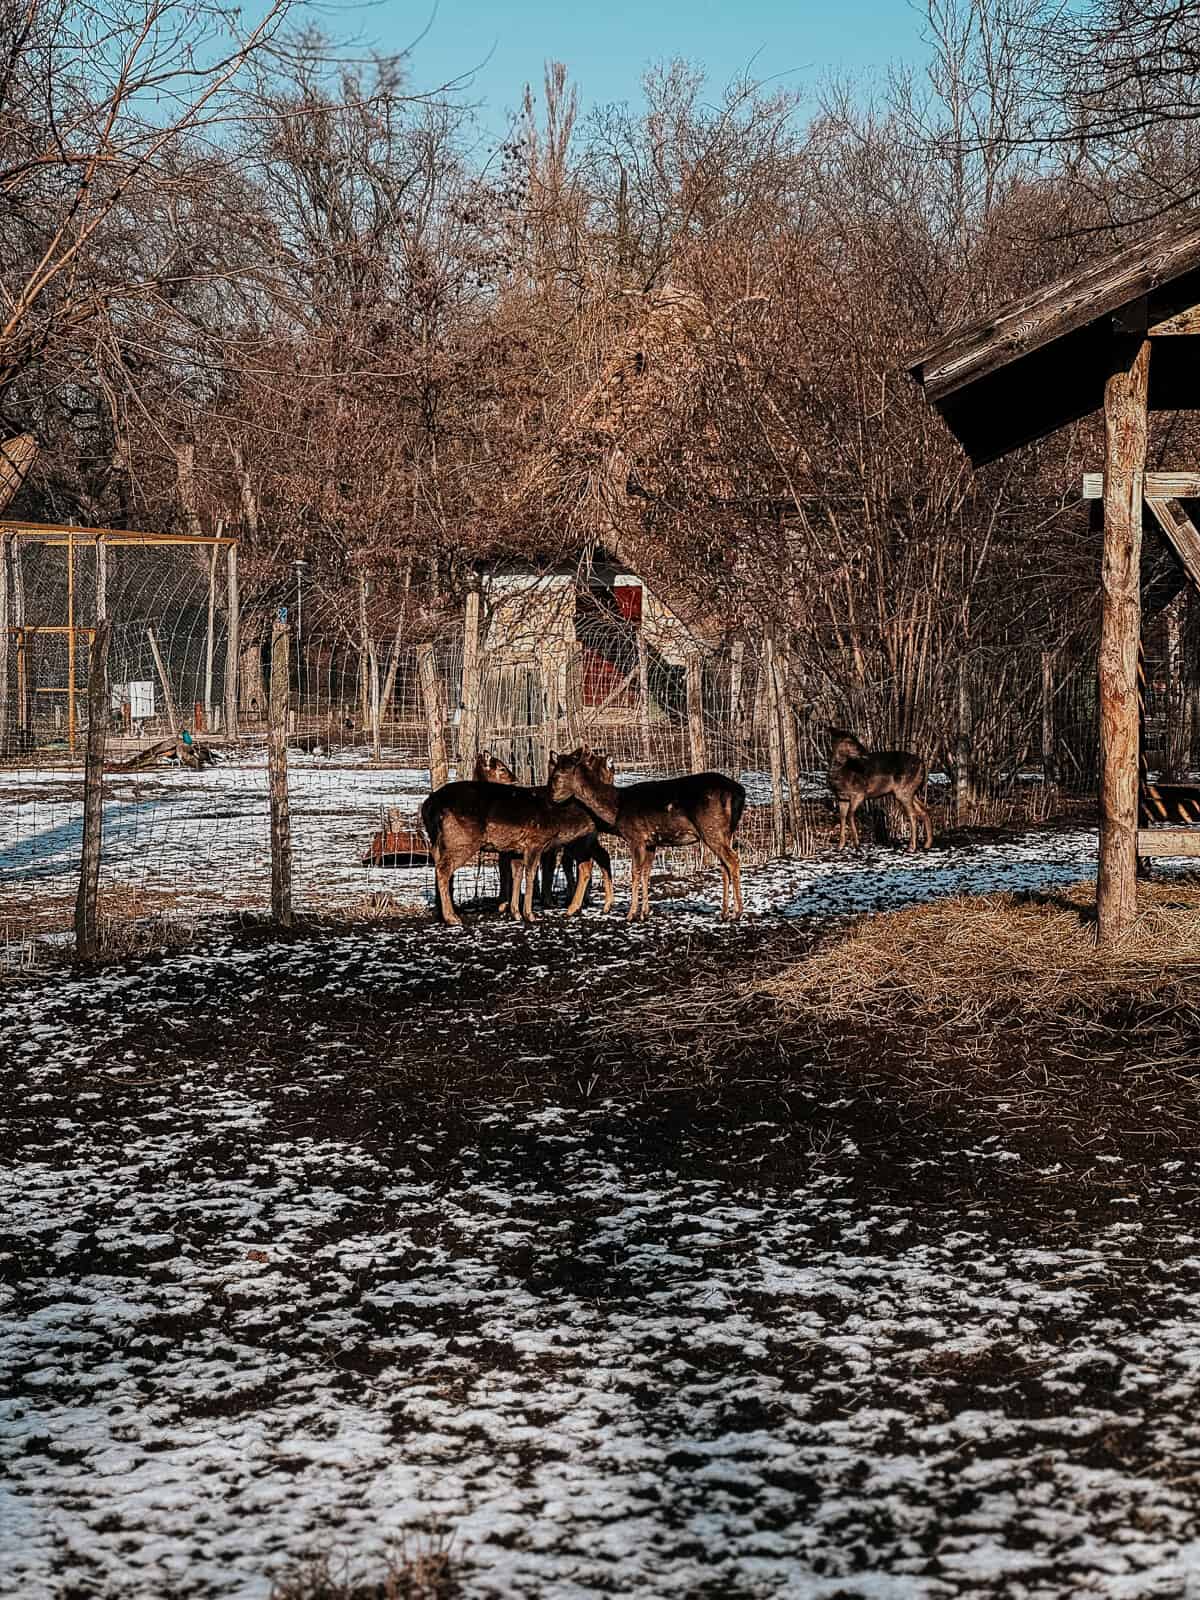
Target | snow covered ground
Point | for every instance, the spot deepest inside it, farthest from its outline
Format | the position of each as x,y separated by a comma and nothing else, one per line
273,1282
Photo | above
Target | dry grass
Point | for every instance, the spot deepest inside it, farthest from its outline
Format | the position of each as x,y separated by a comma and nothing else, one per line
960,963
417,1571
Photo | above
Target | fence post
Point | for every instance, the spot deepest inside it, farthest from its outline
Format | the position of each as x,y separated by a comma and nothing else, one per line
209,636
435,715
1048,764
87,898
643,656
695,713
468,729
168,697
962,747
232,644
3,641
575,693
791,748
771,709
281,825
737,667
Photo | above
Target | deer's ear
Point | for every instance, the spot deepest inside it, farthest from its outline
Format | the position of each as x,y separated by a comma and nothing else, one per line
553,758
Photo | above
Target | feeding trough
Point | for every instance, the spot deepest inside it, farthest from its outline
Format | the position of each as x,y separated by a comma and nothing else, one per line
396,844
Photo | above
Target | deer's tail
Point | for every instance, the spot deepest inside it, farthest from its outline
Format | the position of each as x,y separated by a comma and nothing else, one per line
431,820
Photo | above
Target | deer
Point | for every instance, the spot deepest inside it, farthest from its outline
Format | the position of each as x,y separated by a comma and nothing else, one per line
700,807
857,774
490,769
462,818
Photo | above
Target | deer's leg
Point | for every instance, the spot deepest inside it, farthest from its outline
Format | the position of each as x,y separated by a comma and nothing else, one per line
600,854
926,821
505,867
549,868
582,878
518,881
637,858
445,876
855,802
844,817
646,871
910,811
731,868
533,856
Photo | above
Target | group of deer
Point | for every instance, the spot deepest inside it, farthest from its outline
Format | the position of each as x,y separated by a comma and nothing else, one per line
530,825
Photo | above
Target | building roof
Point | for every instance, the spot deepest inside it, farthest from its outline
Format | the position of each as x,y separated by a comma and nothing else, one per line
1041,361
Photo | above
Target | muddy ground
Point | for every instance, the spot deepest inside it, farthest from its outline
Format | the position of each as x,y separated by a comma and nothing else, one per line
311,1242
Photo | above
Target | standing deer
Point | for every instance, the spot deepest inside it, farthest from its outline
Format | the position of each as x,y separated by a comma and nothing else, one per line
490,769
461,818
857,774
703,807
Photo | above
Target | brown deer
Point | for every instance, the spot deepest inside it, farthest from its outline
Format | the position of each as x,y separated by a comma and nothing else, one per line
460,819
703,807
857,774
490,769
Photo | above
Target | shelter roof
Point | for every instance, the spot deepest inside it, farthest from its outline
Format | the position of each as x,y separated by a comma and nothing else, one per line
1041,361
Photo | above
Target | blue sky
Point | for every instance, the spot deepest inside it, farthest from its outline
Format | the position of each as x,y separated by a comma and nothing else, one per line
607,45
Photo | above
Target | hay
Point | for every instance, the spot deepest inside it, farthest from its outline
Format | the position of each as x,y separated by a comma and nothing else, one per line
958,963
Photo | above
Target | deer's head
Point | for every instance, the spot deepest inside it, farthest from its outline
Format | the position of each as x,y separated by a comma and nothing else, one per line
845,746
490,769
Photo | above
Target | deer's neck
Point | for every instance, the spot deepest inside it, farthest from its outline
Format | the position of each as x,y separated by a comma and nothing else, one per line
600,798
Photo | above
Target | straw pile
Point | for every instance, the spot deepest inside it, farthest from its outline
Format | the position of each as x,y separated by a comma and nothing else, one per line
963,963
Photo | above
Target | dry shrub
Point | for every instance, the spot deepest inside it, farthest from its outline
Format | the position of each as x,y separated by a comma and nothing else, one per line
417,1571
958,963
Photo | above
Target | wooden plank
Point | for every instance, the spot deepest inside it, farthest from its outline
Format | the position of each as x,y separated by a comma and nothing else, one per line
1181,533
281,823
1167,842
168,696
1158,485
88,895
1126,412
232,641
966,355
59,532
1176,326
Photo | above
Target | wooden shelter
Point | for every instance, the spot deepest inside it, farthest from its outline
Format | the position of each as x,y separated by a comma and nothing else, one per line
1119,335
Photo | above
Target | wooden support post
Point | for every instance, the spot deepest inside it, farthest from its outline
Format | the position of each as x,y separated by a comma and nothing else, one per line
1175,744
695,713
232,643
168,696
1125,425
1049,765
550,724
102,579
791,750
87,899
575,693
71,642
435,715
4,642
774,746
468,727
281,824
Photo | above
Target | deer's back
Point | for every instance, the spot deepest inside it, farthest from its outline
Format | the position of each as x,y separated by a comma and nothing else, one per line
878,773
507,816
667,808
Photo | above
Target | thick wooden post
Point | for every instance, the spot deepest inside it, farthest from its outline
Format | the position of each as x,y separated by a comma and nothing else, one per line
695,713
18,622
1125,426
232,643
88,897
964,786
281,823
209,637
435,715
771,712
737,668
468,727
574,702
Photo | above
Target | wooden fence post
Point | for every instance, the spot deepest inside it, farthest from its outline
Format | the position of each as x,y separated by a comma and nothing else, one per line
737,670
791,749
963,786
3,641
771,709
209,637
435,715
1125,425
281,824
695,713
468,727
643,656
88,897
574,706
1049,764
232,643
168,696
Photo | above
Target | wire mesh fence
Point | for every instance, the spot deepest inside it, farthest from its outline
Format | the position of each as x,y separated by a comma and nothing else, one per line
382,702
